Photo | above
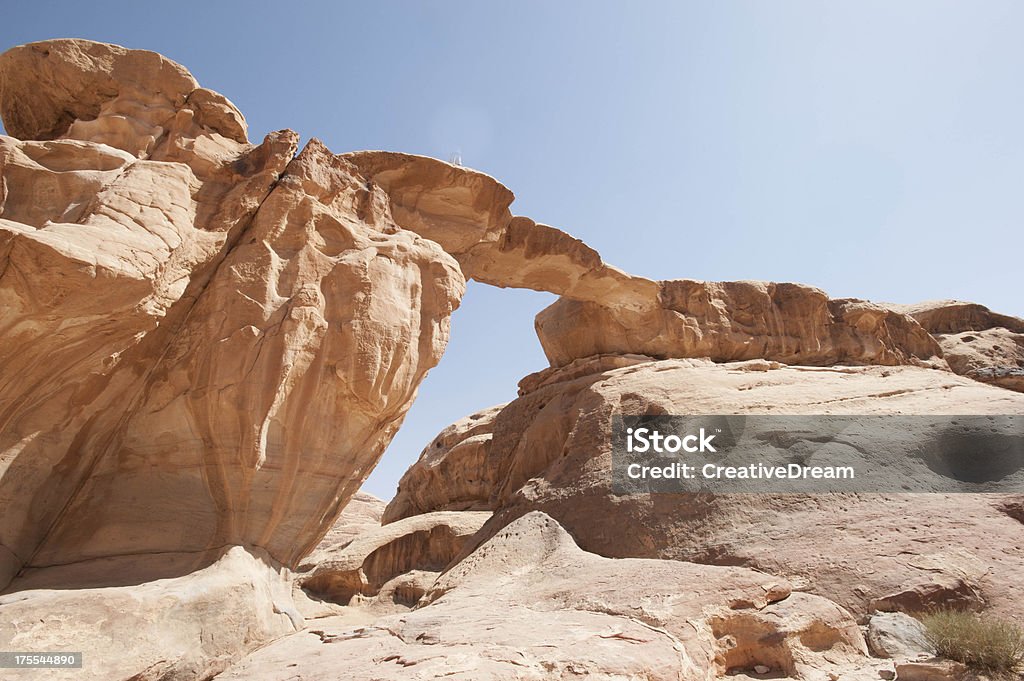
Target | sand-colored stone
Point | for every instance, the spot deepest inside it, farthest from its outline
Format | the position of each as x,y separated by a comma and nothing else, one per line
956,316
157,626
898,635
737,320
362,514
423,543
452,473
551,451
206,342
467,213
529,604
976,342
993,356
80,89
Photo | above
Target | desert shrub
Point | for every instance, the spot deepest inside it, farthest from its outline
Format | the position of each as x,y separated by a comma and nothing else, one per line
986,644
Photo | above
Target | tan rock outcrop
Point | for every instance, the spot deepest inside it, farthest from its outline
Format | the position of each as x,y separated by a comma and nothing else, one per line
452,473
79,89
162,626
550,451
956,316
422,543
993,356
738,320
205,342
530,604
362,514
976,342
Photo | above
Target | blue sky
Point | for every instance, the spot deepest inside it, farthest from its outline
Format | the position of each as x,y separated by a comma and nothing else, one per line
873,149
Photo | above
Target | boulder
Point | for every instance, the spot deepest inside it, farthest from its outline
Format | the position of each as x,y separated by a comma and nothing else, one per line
993,356
135,617
897,635
452,472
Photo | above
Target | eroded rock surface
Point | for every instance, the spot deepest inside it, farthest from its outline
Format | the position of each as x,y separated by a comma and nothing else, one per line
551,451
530,604
453,473
207,344
956,316
362,514
975,341
194,326
423,543
898,635
160,627
738,320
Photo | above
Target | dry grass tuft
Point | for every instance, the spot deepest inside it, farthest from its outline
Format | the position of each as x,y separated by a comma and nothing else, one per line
985,644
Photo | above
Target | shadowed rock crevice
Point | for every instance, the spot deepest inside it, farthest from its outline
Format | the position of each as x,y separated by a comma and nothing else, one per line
425,543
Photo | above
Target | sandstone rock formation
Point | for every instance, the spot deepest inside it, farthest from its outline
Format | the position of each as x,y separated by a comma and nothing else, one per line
423,543
975,341
208,343
993,356
729,321
453,472
161,626
362,514
196,328
550,450
467,212
898,635
531,604
955,316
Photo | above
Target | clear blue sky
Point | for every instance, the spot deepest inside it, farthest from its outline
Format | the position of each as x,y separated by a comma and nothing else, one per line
874,149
